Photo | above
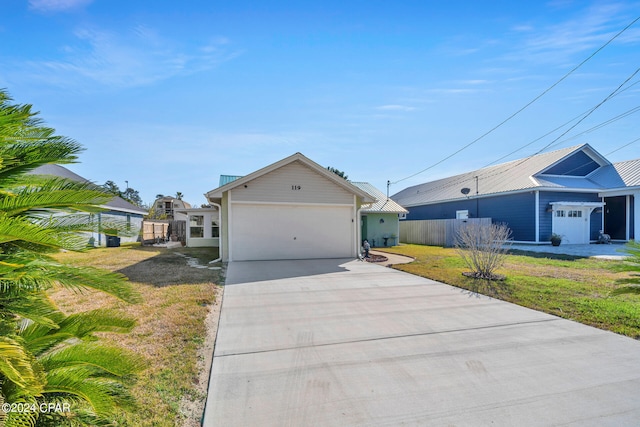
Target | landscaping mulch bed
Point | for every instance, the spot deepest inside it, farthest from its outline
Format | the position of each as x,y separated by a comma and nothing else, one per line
376,258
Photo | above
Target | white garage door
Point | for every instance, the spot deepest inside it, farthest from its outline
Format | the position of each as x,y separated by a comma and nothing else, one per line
267,232
572,223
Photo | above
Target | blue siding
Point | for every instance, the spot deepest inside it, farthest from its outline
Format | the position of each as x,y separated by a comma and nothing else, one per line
515,210
546,218
441,210
578,164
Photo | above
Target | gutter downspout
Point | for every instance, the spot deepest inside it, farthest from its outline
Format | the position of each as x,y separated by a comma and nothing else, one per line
220,232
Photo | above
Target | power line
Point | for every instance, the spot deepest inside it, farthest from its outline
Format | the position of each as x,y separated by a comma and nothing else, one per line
623,146
468,176
569,121
523,108
611,95
584,116
518,163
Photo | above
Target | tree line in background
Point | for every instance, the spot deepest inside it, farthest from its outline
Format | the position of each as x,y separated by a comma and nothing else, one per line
129,194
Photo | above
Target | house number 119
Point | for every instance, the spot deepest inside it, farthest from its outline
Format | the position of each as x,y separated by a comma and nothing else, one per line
296,187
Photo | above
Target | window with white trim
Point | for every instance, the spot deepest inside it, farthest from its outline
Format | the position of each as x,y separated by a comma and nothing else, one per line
215,228
560,213
464,214
196,226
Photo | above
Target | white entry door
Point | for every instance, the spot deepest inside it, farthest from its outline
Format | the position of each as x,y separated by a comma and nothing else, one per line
572,223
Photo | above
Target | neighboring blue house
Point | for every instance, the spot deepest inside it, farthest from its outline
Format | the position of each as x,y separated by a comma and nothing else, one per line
574,192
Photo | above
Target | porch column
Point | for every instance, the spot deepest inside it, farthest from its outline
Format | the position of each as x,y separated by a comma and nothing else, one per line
537,216
636,215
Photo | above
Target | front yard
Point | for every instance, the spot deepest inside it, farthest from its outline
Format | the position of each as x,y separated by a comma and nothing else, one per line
569,287
179,299
171,330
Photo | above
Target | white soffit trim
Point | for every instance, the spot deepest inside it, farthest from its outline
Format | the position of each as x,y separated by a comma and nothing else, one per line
581,204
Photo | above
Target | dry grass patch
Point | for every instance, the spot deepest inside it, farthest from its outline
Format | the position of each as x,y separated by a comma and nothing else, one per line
170,329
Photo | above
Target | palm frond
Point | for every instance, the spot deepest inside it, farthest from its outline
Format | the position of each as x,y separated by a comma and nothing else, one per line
22,419
39,338
16,364
54,194
34,306
16,229
104,395
24,152
38,271
88,359
100,320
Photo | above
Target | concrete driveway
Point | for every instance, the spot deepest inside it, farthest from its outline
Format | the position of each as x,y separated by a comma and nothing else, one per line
347,343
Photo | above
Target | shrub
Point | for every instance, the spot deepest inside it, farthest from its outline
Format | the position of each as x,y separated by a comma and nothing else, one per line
483,248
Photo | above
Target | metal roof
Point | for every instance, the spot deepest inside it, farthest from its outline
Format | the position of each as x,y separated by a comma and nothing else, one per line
115,204
383,205
225,179
59,171
521,175
629,171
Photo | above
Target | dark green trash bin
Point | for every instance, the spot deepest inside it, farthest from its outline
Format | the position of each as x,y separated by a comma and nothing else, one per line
113,241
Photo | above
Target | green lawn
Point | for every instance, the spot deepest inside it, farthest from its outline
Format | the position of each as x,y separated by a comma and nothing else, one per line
570,287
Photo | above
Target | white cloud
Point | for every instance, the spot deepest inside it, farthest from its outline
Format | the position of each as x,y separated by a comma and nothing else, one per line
474,82
56,5
395,107
580,33
138,57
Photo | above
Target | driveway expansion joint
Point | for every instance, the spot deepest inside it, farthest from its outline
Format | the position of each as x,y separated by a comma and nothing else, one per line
448,331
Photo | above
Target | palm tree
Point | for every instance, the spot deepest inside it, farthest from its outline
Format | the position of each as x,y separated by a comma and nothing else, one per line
38,216
77,369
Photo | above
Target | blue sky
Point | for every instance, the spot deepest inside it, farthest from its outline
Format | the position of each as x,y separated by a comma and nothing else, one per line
169,95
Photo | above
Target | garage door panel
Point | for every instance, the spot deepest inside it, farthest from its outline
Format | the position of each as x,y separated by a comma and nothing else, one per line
263,232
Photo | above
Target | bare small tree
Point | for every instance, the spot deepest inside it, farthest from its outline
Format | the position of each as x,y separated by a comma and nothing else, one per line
483,247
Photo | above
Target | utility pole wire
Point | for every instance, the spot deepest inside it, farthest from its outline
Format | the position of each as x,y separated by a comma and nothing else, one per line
523,108
517,163
612,94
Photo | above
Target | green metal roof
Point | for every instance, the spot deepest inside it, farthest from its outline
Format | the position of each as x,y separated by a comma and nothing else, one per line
225,179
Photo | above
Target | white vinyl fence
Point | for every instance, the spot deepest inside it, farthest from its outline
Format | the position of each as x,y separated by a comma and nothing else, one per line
435,232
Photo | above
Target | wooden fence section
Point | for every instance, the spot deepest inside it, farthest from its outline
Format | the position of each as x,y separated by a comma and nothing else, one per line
179,229
154,231
162,231
435,232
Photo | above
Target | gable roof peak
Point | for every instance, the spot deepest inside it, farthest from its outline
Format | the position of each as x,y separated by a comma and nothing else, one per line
515,175
217,192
